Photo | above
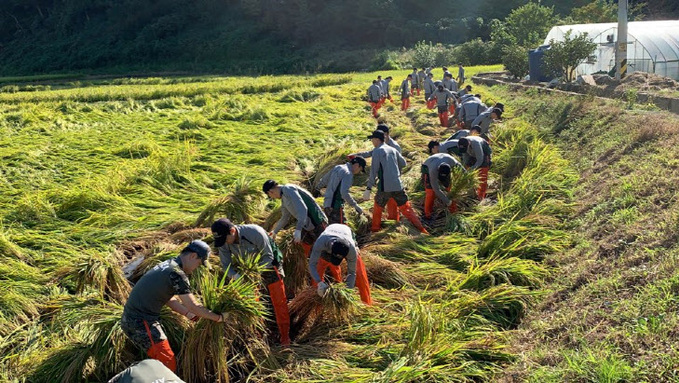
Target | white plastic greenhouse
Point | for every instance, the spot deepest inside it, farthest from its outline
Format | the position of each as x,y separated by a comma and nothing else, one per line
653,46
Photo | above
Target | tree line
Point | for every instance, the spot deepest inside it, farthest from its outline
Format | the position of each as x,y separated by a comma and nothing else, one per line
244,35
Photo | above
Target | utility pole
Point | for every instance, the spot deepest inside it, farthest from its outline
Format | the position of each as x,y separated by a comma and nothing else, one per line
621,48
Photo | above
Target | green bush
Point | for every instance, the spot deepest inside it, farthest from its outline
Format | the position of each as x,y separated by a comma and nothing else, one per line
515,60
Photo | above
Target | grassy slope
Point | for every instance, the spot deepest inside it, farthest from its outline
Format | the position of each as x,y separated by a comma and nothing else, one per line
611,311
90,166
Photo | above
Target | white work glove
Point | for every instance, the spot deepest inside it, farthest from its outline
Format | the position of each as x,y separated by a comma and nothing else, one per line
297,236
366,195
322,289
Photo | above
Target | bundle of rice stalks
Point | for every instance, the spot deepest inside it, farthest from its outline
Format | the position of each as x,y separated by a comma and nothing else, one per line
100,348
337,307
360,226
19,300
334,154
526,238
241,204
275,214
385,273
462,184
100,274
248,267
161,252
502,304
295,265
213,352
496,271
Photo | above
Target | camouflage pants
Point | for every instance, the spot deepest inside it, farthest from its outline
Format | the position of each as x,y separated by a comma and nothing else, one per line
136,331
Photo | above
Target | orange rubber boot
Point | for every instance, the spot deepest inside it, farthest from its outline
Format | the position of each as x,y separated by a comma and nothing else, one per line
377,218
429,199
392,210
483,183
362,282
409,213
280,308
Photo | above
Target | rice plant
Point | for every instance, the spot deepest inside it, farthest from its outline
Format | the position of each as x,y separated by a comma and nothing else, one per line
100,274
308,309
295,265
213,352
526,238
241,204
496,271
385,273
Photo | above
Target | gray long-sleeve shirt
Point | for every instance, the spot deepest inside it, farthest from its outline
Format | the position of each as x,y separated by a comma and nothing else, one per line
459,134
446,146
421,76
432,163
429,86
324,245
252,240
442,97
292,205
449,84
471,108
475,151
385,88
416,78
389,141
483,120
405,89
386,166
374,93
339,180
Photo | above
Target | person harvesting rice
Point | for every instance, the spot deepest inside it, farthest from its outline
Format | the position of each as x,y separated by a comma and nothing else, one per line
331,248
251,241
159,287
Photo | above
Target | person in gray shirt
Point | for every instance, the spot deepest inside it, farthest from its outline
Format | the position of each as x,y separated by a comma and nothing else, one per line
332,247
146,371
337,184
484,120
392,207
448,82
421,76
470,108
251,241
300,204
460,75
385,89
436,172
166,284
476,154
444,98
385,173
405,92
415,84
429,89
374,97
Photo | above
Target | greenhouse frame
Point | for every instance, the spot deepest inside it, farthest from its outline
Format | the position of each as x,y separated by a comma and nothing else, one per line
652,46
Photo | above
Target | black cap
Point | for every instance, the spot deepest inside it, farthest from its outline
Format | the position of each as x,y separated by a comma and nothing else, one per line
340,250
498,112
220,229
383,127
360,161
477,128
268,185
199,247
377,134
444,174
462,144
500,106
432,144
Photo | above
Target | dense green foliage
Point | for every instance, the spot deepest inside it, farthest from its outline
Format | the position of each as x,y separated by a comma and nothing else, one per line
247,36
564,56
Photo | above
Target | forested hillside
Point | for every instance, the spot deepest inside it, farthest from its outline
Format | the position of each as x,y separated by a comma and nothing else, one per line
251,36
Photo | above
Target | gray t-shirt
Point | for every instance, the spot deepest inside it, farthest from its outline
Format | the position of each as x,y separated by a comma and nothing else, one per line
155,289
